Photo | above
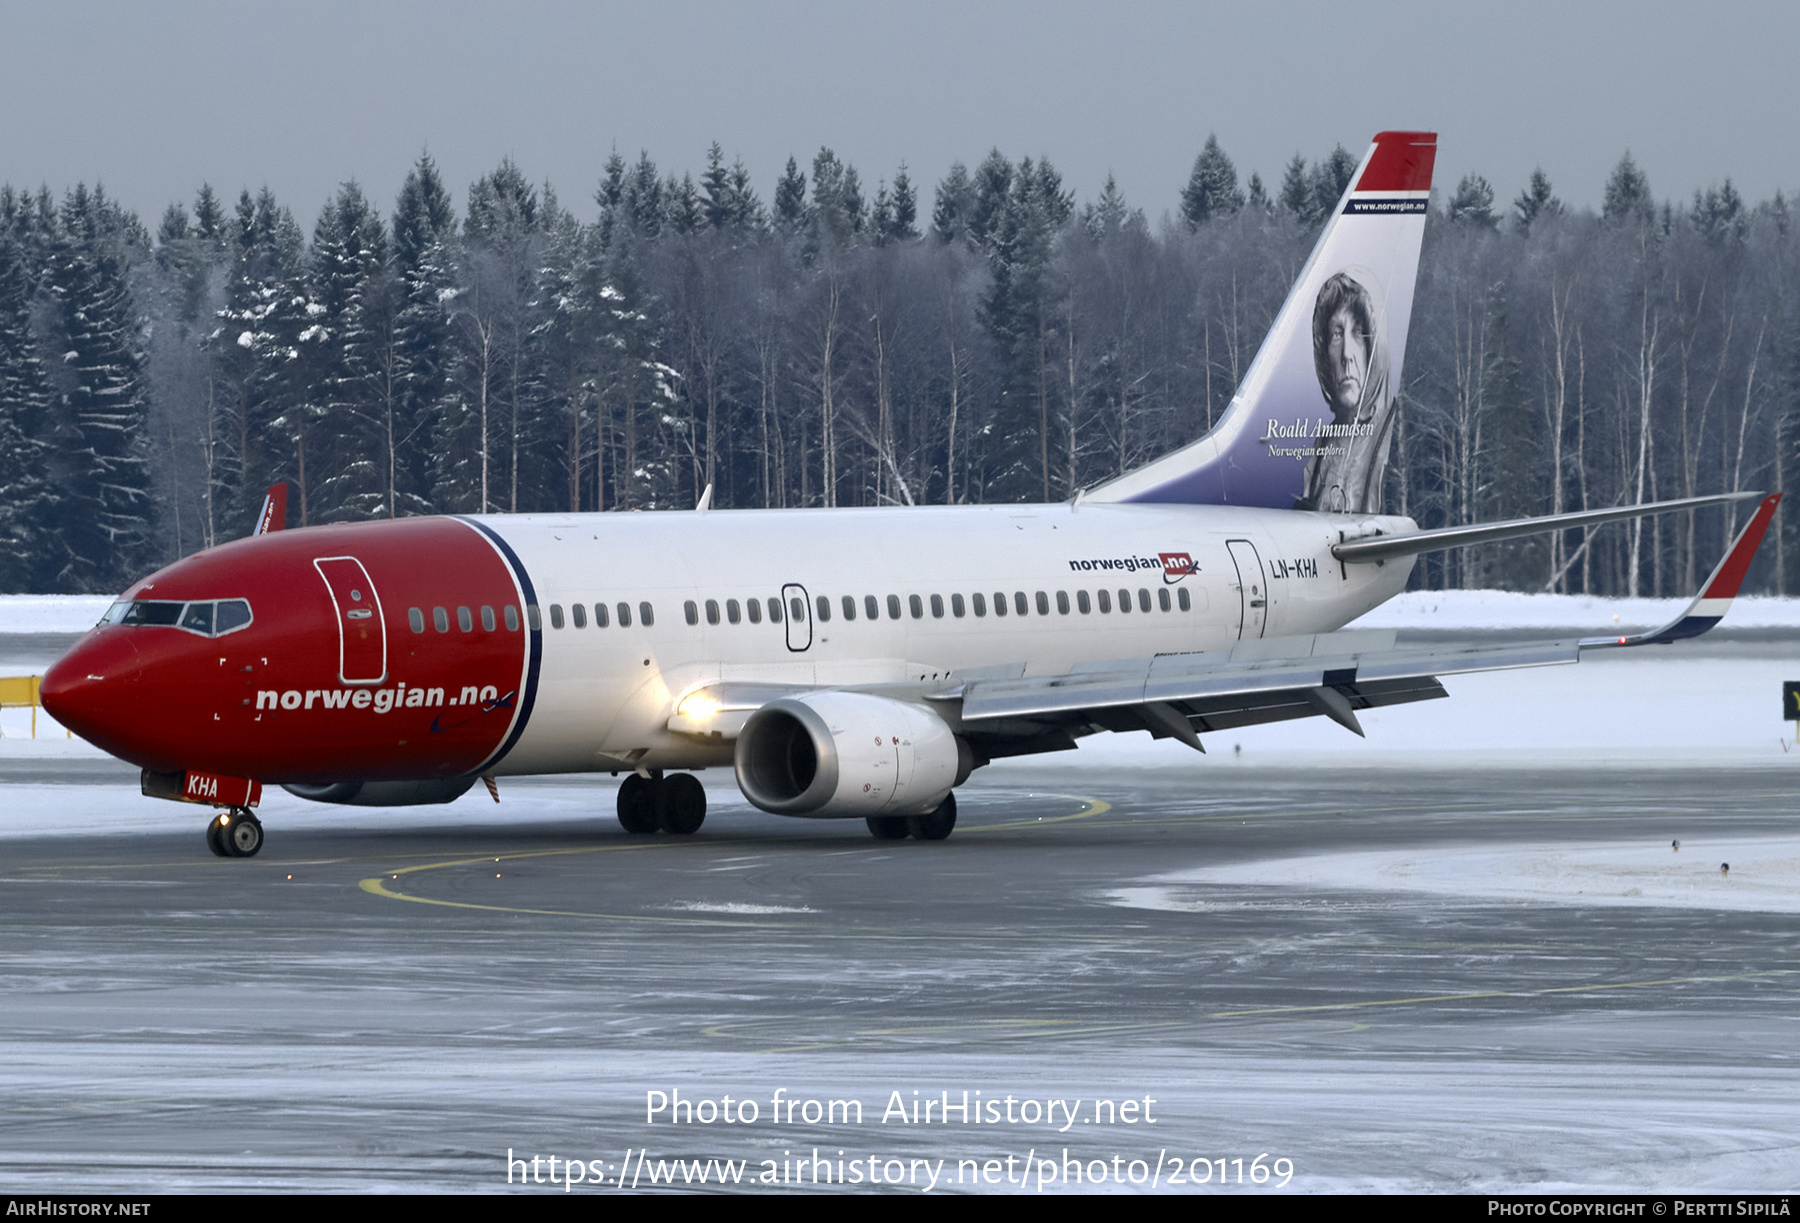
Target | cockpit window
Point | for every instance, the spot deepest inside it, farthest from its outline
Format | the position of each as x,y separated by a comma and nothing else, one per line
148,612
198,618
233,614
206,619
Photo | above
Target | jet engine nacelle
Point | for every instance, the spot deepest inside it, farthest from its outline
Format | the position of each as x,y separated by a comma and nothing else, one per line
385,793
848,754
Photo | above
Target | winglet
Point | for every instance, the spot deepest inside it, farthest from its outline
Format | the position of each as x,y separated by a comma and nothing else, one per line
1714,599
274,510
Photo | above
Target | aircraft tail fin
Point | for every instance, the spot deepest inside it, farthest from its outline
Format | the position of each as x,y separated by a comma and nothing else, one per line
1310,425
274,510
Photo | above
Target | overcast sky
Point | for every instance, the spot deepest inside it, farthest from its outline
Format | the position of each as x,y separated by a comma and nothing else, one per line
152,99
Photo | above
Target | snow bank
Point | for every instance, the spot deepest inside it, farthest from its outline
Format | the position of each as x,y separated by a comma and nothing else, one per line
51,613
1763,877
1505,609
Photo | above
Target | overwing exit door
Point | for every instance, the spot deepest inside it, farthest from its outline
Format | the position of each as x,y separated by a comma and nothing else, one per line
362,631
1253,589
799,617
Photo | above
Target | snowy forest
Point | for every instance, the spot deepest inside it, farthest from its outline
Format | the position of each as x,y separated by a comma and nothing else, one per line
993,339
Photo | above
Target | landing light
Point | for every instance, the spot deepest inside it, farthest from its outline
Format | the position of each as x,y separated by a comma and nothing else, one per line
699,708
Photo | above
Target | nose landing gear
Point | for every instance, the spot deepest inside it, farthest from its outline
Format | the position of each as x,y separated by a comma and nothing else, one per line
236,833
675,804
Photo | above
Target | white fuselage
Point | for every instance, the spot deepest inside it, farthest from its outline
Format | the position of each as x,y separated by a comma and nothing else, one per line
606,694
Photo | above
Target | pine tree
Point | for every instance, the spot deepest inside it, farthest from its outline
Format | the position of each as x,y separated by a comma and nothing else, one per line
906,208
610,195
686,211
25,503
1259,195
1719,214
96,442
993,189
424,231
1473,203
954,203
1537,200
356,377
1329,180
1628,194
1295,196
1212,188
715,186
1020,310
790,200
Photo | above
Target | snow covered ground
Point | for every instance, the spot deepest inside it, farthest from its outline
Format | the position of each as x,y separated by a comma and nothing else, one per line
1764,875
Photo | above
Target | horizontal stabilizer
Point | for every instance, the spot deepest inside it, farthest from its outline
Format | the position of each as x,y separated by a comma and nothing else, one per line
1385,547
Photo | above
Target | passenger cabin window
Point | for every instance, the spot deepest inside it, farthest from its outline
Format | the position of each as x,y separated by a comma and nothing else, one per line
731,610
1181,596
600,617
774,611
1124,600
440,619
415,619
824,609
1043,603
915,606
646,614
578,614
1105,602
797,609
1000,602
893,607
487,619
1062,602
556,617
512,619
1162,597
691,611
532,617
1082,604
849,607
937,607
1143,599
624,610
754,607
712,611
956,606
466,622
1020,604
980,602
871,608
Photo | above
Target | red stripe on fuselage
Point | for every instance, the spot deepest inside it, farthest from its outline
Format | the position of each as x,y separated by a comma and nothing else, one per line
268,701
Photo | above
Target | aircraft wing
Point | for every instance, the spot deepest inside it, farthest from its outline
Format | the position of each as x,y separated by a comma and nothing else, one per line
1333,675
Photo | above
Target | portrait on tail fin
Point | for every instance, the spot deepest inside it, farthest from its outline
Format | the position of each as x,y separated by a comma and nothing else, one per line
1350,356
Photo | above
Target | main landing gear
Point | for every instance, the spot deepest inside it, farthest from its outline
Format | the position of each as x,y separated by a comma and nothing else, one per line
236,833
675,804
933,826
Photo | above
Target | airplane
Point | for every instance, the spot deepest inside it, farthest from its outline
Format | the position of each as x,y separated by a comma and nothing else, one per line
845,663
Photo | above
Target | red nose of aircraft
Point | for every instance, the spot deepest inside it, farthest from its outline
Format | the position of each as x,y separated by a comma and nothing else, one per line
93,690
376,651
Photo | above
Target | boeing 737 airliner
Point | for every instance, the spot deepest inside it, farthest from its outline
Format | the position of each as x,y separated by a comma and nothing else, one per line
851,663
